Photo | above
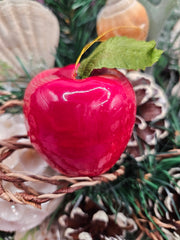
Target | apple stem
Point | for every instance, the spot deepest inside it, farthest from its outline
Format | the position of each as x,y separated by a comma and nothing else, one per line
74,75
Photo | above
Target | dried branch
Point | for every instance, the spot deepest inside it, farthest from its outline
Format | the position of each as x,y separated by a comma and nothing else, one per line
11,103
66,184
171,153
8,146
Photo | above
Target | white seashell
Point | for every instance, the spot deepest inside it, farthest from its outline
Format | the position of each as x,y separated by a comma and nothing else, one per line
29,33
17,217
41,233
123,18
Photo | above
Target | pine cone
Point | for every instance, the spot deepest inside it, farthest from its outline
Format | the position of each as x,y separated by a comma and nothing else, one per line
152,107
171,199
89,221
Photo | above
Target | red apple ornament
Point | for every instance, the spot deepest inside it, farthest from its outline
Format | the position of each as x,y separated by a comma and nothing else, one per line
81,126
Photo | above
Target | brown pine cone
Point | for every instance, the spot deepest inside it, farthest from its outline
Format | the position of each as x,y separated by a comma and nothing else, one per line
88,221
152,108
171,199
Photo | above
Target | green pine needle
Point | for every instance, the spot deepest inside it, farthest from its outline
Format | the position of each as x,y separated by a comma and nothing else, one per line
77,25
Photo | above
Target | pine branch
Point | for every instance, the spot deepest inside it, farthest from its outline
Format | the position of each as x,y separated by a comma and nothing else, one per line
77,21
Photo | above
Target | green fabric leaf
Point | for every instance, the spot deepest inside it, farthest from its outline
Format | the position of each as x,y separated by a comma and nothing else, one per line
120,52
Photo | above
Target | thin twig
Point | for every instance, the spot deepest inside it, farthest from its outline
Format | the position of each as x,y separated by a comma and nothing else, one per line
31,196
171,153
8,146
11,103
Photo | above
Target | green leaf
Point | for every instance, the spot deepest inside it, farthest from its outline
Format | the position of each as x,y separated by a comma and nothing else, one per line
121,52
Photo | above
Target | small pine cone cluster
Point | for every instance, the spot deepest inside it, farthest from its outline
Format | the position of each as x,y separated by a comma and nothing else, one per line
88,221
152,108
170,214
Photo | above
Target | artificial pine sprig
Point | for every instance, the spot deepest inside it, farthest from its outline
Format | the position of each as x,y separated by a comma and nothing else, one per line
77,21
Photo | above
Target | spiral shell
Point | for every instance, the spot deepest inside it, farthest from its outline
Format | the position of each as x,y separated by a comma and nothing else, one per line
29,35
123,18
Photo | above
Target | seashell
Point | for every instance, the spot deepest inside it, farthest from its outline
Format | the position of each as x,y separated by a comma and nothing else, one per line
29,34
45,231
15,216
123,18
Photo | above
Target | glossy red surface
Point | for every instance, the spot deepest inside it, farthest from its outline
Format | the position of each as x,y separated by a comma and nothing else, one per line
80,126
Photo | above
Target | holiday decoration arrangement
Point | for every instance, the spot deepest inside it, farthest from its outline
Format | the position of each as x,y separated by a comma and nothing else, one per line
89,120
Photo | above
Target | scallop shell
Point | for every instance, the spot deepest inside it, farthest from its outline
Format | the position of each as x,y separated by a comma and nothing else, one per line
29,34
123,18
